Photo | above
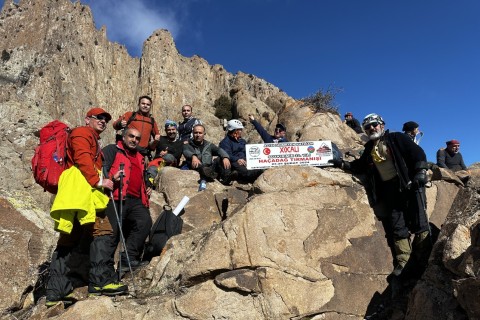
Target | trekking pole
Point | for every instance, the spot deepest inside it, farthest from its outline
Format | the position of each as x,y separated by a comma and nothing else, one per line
120,221
123,242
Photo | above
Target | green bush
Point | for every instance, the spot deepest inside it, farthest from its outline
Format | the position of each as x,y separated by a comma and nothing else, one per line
223,107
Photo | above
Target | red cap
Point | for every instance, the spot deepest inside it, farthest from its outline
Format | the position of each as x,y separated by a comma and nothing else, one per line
97,111
453,142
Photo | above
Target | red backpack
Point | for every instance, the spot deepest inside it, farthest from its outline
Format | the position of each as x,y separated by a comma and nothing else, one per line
49,159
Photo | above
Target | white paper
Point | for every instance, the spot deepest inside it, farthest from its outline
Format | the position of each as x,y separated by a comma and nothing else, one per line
181,205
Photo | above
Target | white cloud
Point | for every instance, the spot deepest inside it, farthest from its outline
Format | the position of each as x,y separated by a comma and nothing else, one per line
131,22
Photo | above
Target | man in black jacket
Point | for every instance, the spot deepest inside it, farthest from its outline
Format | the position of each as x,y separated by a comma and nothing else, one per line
396,168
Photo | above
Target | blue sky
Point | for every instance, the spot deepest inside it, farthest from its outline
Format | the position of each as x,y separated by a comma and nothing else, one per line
405,60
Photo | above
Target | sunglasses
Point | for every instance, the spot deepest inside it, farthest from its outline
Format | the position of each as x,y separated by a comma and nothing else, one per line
100,117
371,125
134,136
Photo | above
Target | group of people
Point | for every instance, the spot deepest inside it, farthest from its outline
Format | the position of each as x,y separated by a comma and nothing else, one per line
447,158
118,173
394,161
396,168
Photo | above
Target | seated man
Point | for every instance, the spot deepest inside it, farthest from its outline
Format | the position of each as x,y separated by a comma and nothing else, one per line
199,154
278,135
234,145
170,147
352,122
451,158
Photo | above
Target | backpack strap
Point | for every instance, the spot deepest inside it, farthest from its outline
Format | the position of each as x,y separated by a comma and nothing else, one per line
134,114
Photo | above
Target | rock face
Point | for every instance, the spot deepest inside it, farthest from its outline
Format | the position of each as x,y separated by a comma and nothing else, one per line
300,243
450,288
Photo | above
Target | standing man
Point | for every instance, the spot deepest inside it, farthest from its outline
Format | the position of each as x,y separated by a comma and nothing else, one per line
278,135
185,127
136,220
199,154
396,167
451,158
83,156
352,122
410,128
143,121
234,145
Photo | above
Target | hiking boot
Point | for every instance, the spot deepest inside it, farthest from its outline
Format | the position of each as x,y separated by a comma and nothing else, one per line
397,271
68,300
111,289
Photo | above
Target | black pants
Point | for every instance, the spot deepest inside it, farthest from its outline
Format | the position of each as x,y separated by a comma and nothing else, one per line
215,170
404,211
244,173
136,225
81,256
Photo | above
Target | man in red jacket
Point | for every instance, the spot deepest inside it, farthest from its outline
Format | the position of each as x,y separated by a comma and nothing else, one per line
83,151
135,215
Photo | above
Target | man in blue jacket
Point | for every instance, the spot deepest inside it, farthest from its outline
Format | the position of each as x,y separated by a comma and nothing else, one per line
234,145
278,135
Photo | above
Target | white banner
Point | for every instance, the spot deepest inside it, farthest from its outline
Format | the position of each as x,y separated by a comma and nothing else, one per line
305,153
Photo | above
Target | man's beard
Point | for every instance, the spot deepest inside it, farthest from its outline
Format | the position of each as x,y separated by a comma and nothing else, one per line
376,135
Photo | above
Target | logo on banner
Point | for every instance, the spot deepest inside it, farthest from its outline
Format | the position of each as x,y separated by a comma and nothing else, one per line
324,150
267,151
254,151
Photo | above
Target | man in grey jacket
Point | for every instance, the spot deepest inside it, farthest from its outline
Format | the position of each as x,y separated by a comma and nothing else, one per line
199,154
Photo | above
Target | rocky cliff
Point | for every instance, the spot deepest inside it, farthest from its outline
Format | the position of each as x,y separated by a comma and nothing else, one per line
300,243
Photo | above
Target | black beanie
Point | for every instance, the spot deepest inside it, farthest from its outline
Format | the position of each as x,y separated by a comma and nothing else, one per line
409,126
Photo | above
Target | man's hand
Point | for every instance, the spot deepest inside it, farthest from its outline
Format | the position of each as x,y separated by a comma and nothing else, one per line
116,176
337,162
420,178
123,123
157,137
250,116
195,162
242,162
106,183
226,163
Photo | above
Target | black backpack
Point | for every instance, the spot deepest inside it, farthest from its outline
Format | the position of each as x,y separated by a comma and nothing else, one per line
166,226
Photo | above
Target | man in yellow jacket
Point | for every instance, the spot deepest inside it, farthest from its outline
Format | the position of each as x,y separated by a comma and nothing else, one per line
84,237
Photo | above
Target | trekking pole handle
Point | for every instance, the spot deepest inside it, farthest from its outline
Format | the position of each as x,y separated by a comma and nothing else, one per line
122,166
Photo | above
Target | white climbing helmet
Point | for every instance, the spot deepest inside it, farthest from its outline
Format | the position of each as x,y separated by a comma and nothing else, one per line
371,118
234,124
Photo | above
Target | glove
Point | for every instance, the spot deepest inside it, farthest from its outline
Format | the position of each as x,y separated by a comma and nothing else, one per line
337,162
420,178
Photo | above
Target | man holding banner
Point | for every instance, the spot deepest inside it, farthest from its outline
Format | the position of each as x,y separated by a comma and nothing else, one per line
234,145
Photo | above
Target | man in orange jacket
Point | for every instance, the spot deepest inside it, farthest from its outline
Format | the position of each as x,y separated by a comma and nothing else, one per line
84,151
143,121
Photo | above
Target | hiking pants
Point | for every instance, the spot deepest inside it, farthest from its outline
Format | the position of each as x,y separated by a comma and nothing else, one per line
243,172
136,225
79,258
403,213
